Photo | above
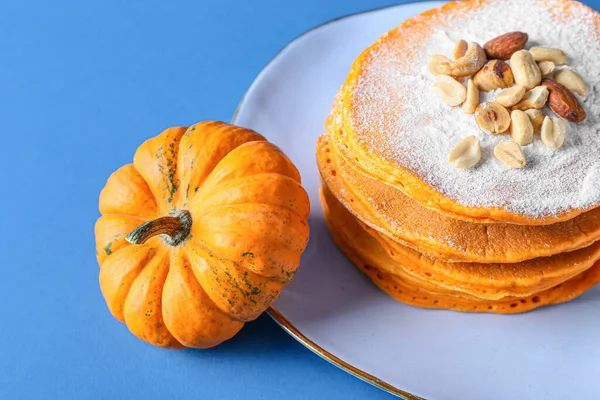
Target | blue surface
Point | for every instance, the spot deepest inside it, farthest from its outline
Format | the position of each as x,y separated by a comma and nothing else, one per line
82,84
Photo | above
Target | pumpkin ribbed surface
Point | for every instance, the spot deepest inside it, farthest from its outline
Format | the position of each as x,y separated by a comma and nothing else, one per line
240,212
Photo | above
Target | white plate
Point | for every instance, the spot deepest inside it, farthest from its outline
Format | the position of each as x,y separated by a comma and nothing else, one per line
332,308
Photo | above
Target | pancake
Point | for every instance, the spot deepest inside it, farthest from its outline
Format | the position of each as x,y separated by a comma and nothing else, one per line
390,212
391,125
372,259
471,280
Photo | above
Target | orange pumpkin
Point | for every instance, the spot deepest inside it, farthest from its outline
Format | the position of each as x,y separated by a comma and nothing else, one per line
200,234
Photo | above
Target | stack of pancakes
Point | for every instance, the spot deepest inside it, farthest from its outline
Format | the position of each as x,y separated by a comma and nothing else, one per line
390,210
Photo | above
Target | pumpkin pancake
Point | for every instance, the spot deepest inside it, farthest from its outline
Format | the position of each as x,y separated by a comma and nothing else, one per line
470,280
374,261
397,216
391,125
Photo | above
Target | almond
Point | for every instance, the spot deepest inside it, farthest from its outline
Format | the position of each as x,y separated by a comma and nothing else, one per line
472,99
449,90
502,47
437,64
496,74
460,49
535,98
511,96
563,102
468,64
572,81
510,154
492,117
546,67
536,117
557,56
521,128
525,70
553,132
466,153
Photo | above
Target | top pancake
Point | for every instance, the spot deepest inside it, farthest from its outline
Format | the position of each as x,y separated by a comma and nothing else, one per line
387,210
394,127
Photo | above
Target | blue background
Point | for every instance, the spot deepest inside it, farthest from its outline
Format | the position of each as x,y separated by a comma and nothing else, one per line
82,84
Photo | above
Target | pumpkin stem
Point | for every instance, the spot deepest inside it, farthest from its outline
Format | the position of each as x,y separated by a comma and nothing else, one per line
173,229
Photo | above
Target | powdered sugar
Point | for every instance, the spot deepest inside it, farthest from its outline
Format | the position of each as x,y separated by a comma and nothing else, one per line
398,116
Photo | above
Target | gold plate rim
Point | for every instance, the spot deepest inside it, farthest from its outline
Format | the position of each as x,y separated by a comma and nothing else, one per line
272,311
324,354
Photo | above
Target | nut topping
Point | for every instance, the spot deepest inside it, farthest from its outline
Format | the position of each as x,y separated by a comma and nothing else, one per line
502,47
468,64
510,154
492,117
535,98
472,100
438,64
521,128
460,49
525,70
511,96
546,67
496,74
449,90
572,81
563,102
557,56
466,153
536,117
517,108
553,132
